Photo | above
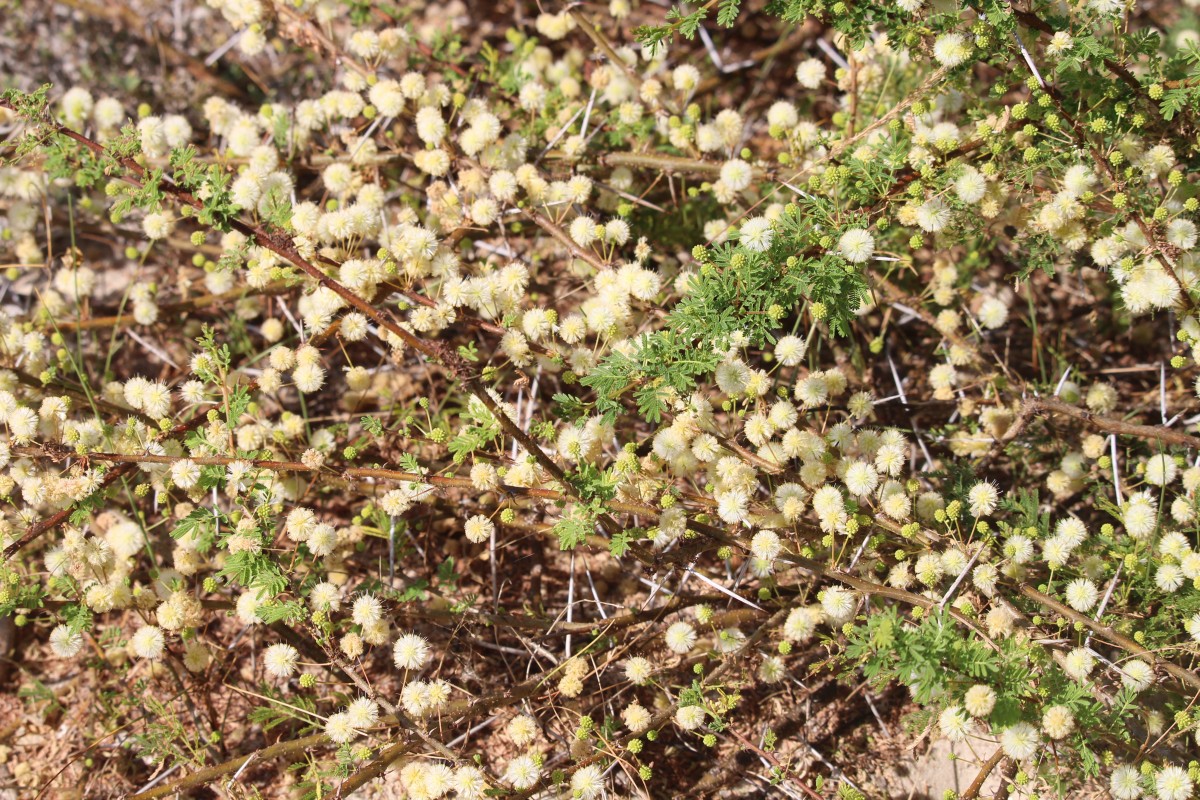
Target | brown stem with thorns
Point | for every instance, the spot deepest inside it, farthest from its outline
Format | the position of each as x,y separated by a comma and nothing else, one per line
58,453
209,774
1111,636
58,518
985,769
1158,433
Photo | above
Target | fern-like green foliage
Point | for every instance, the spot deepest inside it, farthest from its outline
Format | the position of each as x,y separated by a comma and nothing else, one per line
938,662
254,571
292,707
199,527
727,12
737,292
678,21
573,530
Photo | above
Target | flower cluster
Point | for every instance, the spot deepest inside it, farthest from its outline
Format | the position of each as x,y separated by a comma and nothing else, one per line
571,358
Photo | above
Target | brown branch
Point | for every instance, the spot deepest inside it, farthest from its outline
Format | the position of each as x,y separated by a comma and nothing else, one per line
664,716
809,30
1157,248
374,769
1159,433
773,759
604,46
1107,633
670,164
1031,20
308,35
59,453
37,529
95,401
546,224
985,769
209,774
178,307
895,294
863,585
680,164
1015,429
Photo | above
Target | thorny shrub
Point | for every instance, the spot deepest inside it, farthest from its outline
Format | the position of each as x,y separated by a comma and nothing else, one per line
510,415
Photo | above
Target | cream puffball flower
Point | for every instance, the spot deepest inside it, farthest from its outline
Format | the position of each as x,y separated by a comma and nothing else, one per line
1020,741
1125,783
148,642
736,174
479,528
680,638
587,783
280,660
410,651
1058,722
983,498
1161,470
955,724
1173,783
756,234
856,245
1082,594
789,350
810,73
951,49
65,642
979,700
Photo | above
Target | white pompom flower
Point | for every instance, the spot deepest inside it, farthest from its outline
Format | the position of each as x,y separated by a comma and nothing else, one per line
479,528
65,642
280,660
736,174
410,651
983,498
789,350
856,245
1082,594
756,234
149,642
680,638
1020,741
951,49
1173,783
